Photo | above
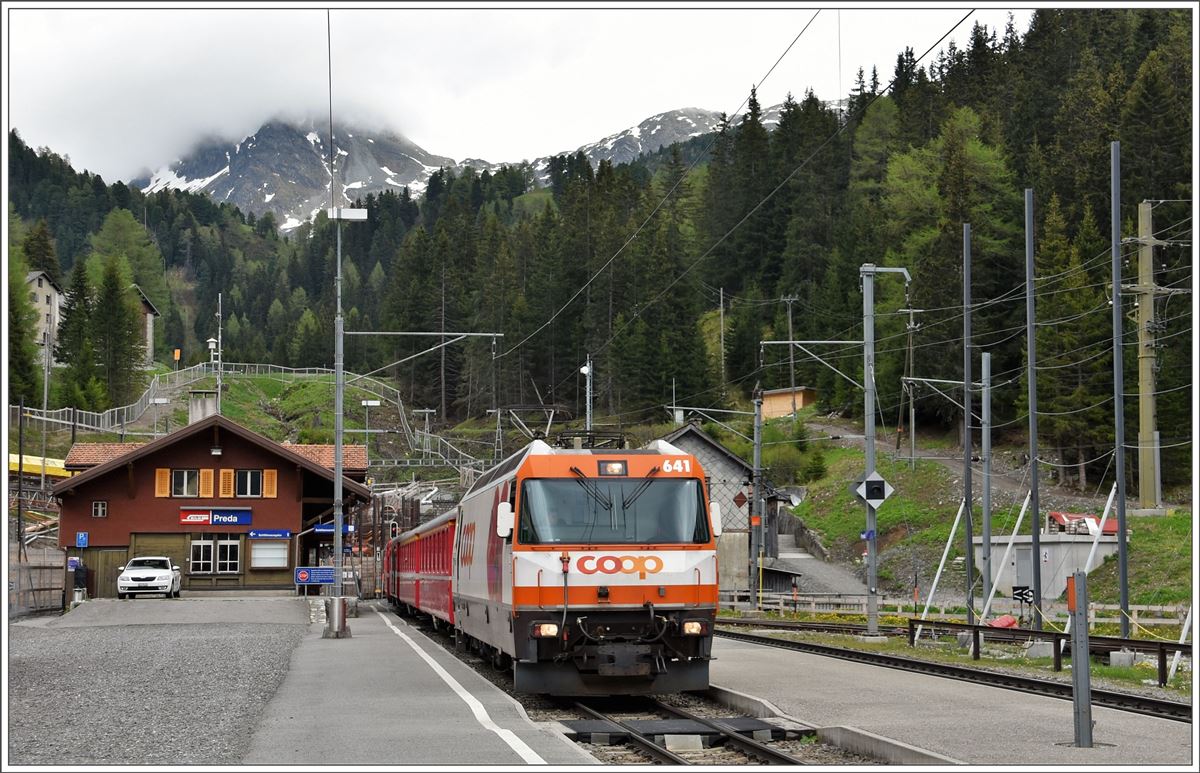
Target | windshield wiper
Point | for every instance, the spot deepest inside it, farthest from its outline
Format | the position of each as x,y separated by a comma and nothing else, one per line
593,491
637,492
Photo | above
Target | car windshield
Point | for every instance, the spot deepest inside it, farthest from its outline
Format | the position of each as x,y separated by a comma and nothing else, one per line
149,563
612,510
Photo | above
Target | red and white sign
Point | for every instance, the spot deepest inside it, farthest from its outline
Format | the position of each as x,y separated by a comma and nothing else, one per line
195,517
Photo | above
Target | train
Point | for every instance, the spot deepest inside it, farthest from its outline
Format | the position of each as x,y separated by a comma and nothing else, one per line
584,571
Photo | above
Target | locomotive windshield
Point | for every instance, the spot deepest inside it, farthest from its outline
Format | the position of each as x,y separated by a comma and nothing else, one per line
595,511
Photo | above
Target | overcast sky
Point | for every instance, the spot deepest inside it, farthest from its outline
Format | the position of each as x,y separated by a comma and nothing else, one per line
123,90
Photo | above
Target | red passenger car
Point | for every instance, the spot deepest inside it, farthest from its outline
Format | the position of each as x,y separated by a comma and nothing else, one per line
417,566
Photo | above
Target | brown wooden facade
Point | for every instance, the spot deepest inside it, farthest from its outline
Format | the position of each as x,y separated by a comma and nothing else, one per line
232,508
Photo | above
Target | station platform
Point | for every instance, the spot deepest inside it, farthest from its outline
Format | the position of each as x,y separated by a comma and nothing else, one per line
387,695
967,723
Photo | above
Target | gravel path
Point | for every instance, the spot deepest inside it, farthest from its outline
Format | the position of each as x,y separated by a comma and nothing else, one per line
142,694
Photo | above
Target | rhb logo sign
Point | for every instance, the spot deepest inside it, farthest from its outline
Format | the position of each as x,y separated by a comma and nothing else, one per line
639,565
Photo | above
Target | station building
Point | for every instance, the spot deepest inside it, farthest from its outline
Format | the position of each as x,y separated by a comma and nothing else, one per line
730,485
233,509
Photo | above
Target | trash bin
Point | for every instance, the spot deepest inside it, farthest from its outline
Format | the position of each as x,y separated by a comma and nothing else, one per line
335,618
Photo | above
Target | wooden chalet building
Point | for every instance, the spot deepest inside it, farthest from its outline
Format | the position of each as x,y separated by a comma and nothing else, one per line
234,509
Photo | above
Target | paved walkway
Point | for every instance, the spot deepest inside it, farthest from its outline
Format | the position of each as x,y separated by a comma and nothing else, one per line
389,696
816,576
976,724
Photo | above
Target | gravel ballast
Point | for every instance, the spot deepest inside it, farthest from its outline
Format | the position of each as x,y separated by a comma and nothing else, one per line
142,694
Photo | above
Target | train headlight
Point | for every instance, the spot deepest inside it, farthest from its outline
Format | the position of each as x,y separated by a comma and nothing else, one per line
544,630
693,628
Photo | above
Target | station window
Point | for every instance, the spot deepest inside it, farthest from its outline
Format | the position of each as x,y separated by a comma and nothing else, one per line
202,556
268,554
229,560
225,549
249,483
185,483
33,296
100,509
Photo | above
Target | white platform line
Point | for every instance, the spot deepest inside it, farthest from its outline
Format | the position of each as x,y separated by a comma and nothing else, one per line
481,715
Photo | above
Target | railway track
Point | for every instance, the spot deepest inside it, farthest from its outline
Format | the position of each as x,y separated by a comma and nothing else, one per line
1154,707
724,743
628,725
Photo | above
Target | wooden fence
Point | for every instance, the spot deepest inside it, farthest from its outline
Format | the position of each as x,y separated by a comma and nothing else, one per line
35,580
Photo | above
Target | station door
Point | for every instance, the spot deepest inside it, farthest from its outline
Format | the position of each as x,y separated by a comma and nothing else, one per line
172,545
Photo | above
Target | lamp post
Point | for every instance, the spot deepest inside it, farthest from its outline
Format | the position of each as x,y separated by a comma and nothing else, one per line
212,360
339,214
587,371
45,398
368,404
157,401
220,362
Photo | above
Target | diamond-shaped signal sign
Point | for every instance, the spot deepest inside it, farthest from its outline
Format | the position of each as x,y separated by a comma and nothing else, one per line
874,489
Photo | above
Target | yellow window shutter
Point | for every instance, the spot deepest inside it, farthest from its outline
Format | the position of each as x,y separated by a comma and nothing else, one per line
270,479
206,483
162,482
227,484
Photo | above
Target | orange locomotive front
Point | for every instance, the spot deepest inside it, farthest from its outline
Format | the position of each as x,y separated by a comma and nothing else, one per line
594,571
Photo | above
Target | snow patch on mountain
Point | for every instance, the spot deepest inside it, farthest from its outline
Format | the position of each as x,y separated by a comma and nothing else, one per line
166,178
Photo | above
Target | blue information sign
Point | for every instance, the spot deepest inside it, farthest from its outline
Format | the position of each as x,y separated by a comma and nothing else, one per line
270,533
81,539
314,575
327,528
868,534
230,517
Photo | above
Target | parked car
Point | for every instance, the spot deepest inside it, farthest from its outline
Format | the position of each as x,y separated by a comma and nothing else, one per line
149,574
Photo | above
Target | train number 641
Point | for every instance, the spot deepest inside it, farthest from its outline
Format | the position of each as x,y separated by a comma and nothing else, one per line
679,465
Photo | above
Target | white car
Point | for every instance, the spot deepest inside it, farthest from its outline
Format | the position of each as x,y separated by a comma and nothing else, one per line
149,574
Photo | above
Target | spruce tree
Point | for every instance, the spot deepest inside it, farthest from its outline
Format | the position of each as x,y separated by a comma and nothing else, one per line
24,375
117,333
39,251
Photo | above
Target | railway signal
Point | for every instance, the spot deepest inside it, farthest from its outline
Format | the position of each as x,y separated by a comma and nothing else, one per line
874,490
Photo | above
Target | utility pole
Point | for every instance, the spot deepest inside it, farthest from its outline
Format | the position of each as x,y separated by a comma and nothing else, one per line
1031,370
1119,388
867,274
791,357
757,508
722,340
911,328
1148,494
1149,460
967,493
985,557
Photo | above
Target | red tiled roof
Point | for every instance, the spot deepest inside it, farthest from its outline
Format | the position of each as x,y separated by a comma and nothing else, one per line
353,457
84,455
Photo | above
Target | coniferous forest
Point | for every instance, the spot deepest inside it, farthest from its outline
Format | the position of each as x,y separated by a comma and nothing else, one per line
628,263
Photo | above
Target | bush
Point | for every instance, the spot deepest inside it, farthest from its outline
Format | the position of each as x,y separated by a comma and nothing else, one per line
783,463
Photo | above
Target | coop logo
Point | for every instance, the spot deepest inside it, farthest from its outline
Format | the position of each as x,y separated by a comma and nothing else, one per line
195,517
641,565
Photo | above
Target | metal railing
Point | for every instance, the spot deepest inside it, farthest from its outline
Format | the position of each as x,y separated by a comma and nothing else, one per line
117,419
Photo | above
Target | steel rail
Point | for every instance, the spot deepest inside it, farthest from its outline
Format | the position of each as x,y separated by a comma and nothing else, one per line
645,744
747,746
1154,707
804,625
